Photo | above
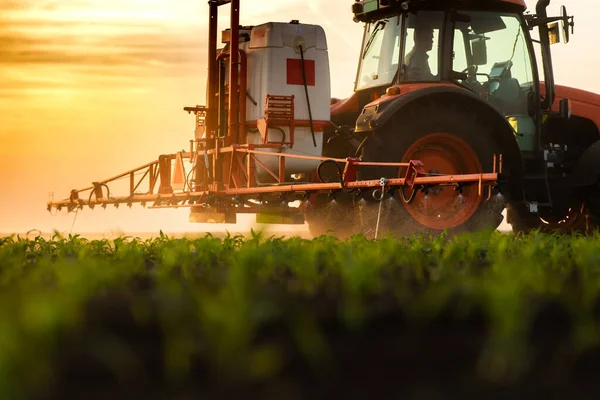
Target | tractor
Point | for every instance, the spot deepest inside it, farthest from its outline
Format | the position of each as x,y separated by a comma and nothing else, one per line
450,83
450,123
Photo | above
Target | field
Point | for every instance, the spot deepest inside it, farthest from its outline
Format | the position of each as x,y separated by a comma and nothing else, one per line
478,316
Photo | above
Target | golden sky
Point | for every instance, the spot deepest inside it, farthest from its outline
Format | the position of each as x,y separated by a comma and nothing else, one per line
91,88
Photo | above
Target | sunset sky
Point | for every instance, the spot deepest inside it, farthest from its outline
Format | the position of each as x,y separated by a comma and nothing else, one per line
91,88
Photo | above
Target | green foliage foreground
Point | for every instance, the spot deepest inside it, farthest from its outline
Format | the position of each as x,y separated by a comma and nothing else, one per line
239,311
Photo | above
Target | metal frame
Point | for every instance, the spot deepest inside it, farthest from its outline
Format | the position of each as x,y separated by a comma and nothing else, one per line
160,172
224,168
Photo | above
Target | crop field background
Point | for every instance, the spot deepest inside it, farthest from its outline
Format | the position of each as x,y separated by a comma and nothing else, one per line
478,316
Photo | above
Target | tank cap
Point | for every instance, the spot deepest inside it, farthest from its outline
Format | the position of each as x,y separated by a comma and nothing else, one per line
295,22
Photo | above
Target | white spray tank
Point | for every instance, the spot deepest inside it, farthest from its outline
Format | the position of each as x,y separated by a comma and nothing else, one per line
275,68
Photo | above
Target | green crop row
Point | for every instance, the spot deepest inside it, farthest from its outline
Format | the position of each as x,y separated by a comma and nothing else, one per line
214,300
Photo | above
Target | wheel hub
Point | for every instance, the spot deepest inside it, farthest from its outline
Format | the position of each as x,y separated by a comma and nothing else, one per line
442,207
436,190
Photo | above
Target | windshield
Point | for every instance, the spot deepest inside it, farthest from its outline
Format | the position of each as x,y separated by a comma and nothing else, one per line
490,54
491,49
380,54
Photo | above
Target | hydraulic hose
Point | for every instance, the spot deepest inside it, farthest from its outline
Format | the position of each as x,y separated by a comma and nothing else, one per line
339,171
312,130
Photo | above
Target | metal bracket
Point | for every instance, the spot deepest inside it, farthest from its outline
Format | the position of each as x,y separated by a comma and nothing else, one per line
350,171
98,190
415,168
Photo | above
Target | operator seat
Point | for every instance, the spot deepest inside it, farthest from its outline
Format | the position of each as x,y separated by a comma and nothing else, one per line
508,99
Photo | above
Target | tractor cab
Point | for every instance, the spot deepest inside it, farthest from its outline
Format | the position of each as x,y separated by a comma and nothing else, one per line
483,50
484,47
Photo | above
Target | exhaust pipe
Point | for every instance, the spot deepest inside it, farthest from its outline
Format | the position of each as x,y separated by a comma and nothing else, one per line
541,6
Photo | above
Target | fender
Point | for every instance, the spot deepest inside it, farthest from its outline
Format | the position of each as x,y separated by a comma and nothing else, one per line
587,169
377,113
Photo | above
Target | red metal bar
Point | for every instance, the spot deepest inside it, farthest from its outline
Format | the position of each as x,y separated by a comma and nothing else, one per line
252,151
318,126
140,181
243,88
234,95
480,179
213,76
124,174
350,172
264,166
212,86
281,169
383,164
251,177
494,168
164,169
301,157
310,187
238,173
153,178
412,172
230,174
242,97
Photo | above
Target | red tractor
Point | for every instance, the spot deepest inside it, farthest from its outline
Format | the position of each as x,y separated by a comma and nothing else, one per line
451,83
449,124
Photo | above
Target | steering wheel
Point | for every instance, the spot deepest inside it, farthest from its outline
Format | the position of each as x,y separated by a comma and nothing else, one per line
471,70
471,80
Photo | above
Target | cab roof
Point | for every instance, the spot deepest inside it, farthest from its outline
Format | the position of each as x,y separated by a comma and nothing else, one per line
372,10
517,2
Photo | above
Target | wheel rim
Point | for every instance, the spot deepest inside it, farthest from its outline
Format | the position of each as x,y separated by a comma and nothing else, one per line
443,207
569,220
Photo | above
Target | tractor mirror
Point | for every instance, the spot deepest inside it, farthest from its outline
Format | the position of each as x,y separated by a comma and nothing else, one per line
566,25
479,51
553,33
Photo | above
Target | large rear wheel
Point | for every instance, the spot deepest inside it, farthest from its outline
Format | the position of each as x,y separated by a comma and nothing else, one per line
449,140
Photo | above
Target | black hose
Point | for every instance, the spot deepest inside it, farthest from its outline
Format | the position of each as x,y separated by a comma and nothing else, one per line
312,130
282,132
340,174
339,169
273,127
94,191
360,146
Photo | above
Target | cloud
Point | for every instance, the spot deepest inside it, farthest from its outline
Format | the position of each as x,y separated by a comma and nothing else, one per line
140,50
28,37
60,47
12,5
